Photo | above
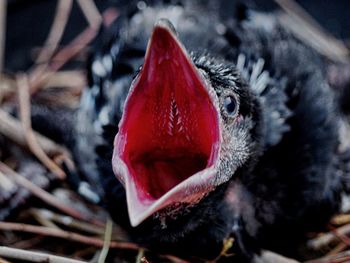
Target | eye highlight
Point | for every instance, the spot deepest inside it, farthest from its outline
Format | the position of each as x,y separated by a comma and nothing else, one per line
230,105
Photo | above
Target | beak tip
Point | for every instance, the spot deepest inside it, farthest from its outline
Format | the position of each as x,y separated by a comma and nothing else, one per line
166,24
134,222
136,216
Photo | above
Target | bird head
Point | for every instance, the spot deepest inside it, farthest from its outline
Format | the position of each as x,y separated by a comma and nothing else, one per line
189,123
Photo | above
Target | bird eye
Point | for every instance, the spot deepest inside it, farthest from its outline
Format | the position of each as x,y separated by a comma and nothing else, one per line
231,105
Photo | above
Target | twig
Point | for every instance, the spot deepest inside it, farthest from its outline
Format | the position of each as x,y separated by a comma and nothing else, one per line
72,80
63,10
2,33
30,256
338,248
43,195
341,236
52,232
328,238
64,55
309,31
109,16
140,256
341,257
106,242
341,219
61,58
175,259
91,12
28,243
68,221
11,128
144,260
7,85
44,221
77,44
93,241
67,79
34,146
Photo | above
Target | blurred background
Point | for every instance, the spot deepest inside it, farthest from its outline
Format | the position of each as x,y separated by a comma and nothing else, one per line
28,23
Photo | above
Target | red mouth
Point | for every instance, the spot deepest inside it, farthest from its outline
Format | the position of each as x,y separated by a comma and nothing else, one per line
168,139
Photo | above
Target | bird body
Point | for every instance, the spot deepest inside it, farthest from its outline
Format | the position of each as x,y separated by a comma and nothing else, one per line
277,165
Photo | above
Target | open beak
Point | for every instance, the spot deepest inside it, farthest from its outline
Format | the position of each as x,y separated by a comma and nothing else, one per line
166,150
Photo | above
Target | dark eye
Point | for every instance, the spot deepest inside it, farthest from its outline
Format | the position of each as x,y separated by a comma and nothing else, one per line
231,106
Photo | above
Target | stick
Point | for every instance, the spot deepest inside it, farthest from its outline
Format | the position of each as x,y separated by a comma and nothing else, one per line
328,238
2,33
72,80
43,195
71,236
68,221
68,79
91,12
93,241
342,236
309,31
11,128
341,219
34,146
6,86
37,77
30,256
28,243
337,249
140,255
106,242
175,259
42,220
341,257
75,46
63,10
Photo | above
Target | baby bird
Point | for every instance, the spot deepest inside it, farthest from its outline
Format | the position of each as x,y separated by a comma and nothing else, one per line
197,127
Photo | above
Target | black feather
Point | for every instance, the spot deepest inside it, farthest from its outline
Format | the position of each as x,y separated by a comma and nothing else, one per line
289,184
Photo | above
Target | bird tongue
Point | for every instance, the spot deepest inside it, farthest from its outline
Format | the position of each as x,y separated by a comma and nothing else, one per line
168,141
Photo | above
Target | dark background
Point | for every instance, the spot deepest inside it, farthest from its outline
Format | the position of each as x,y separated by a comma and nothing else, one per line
29,21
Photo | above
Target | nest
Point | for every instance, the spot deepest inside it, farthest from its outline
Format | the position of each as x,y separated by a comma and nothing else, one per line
43,219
